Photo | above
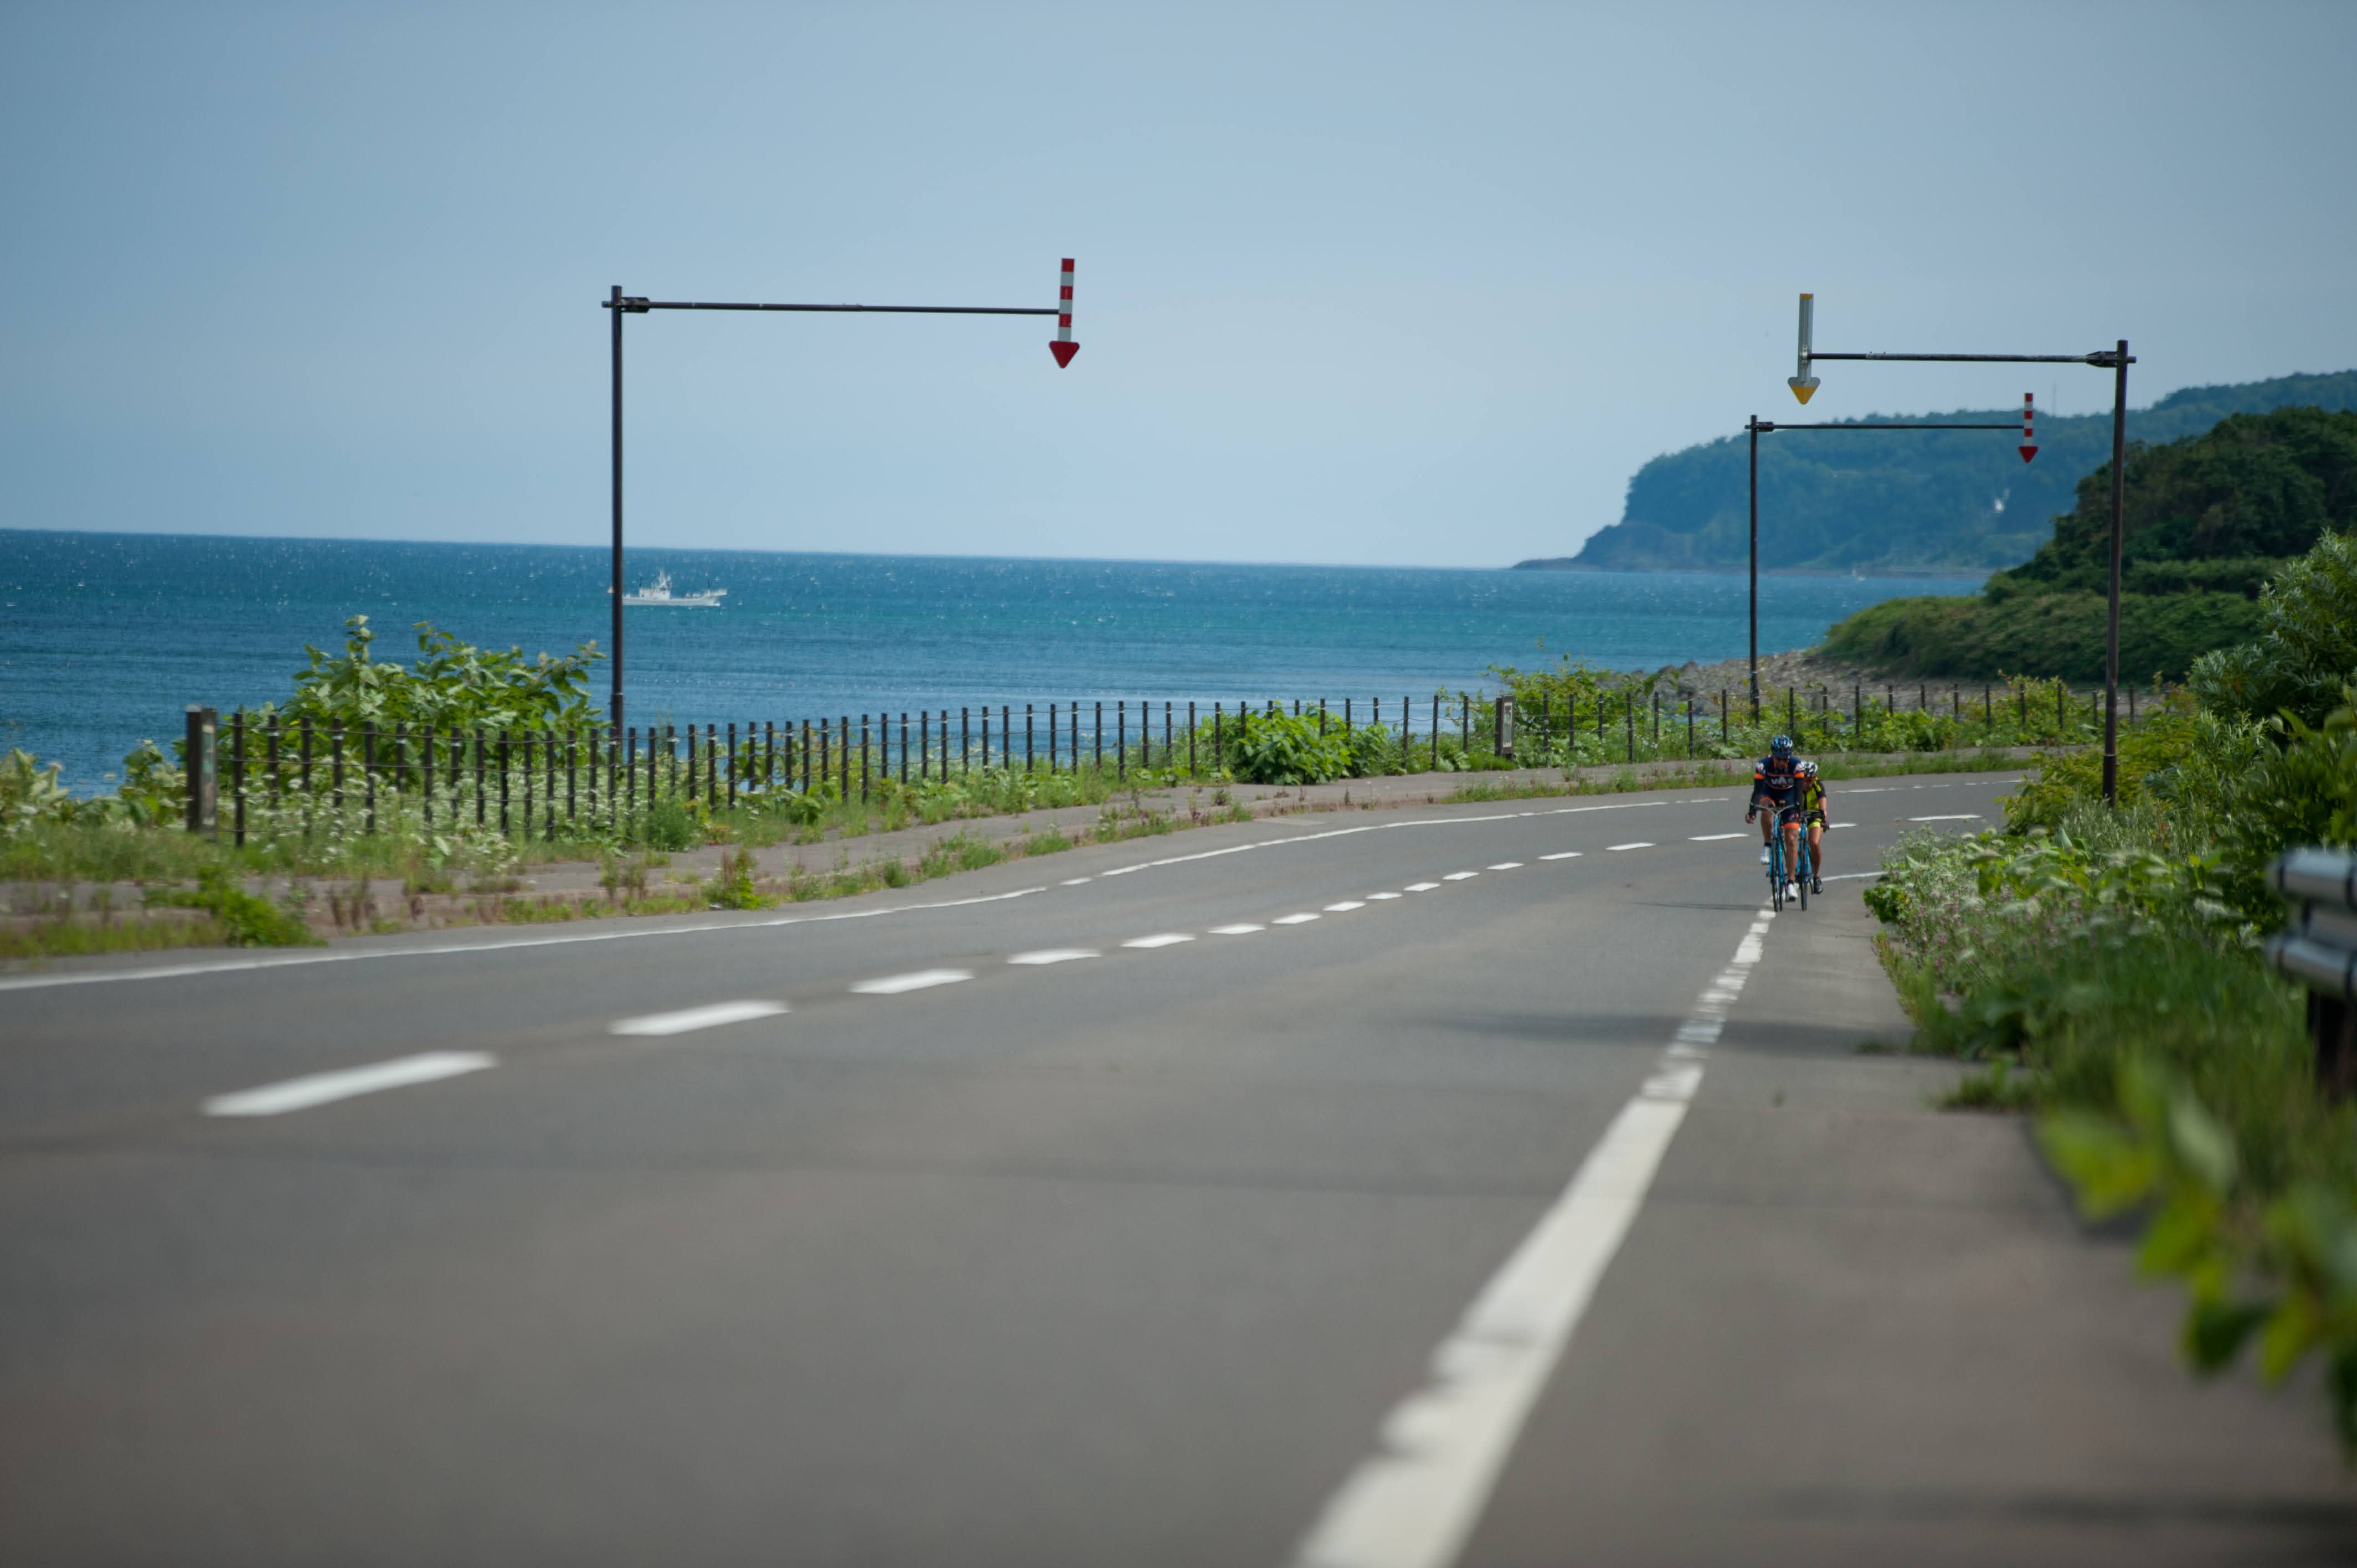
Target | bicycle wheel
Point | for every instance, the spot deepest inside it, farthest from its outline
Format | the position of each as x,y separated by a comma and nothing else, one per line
1801,882
1776,874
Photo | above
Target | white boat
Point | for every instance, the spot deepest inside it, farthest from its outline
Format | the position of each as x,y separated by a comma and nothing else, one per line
659,593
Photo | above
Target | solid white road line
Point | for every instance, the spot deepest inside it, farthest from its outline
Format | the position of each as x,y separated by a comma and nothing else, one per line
320,1087
1346,905
705,1017
1074,881
1160,940
1841,824
1411,1503
1851,876
1460,876
1383,894
1714,838
1293,919
1961,817
1507,865
1422,886
1617,848
1053,955
1241,928
1563,855
916,980
446,950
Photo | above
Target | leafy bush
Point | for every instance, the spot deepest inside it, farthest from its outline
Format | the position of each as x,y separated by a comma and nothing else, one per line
668,825
1278,748
2276,1261
30,794
452,684
2305,651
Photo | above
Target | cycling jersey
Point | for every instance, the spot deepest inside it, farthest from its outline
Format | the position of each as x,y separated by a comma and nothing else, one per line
1775,779
1813,801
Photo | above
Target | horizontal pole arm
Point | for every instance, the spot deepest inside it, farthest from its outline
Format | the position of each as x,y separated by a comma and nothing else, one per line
1765,426
636,305
2106,357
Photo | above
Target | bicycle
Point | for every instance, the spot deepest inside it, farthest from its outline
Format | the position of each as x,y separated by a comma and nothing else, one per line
1777,876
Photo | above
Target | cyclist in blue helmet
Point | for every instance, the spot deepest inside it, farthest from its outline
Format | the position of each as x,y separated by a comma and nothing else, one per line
1775,783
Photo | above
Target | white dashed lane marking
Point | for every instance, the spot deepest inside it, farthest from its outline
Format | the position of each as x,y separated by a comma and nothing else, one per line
1293,919
1241,928
1641,843
322,1087
1958,817
1563,855
1714,838
1459,875
1346,905
1422,886
1160,940
1507,865
1053,955
710,1016
917,979
1383,894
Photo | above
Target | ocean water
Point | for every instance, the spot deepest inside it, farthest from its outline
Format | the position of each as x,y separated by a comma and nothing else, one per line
105,638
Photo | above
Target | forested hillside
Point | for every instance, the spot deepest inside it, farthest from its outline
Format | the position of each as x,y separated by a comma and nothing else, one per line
2210,519
1895,500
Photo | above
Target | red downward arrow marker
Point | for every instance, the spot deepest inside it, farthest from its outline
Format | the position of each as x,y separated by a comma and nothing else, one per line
2027,452
1064,352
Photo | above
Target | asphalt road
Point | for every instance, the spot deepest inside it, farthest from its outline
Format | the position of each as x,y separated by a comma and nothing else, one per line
1488,1184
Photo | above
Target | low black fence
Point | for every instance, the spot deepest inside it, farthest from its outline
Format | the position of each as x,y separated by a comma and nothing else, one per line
272,773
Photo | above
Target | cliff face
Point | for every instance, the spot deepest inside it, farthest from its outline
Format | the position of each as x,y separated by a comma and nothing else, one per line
1887,501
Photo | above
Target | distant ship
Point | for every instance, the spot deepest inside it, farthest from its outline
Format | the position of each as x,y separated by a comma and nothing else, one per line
659,593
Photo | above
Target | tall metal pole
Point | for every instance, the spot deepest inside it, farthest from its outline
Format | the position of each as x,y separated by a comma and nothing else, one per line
614,304
1754,427
2119,530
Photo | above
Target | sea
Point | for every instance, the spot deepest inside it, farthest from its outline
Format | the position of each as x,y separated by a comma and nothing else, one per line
106,638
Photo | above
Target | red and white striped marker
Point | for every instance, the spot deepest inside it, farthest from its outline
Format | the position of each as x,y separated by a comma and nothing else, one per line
2029,447
1063,347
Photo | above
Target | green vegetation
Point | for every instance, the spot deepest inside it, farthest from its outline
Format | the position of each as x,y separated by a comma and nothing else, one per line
1896,501
2209,520
2104,967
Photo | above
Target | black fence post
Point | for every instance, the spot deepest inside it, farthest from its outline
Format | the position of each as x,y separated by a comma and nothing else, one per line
1028,762
503,778
368,770
1121,739
1191,769
863,759
1169,757
1629,714
1725,734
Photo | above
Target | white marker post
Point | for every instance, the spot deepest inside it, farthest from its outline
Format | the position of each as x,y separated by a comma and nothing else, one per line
2029,447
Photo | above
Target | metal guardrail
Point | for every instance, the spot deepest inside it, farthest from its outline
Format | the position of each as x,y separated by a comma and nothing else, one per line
2319,949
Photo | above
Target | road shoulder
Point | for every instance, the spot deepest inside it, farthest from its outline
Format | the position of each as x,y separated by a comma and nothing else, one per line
1849,1328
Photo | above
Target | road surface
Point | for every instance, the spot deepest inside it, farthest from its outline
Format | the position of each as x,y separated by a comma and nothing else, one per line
1484,1184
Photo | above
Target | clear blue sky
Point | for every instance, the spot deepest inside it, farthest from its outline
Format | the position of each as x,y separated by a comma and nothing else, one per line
1357,283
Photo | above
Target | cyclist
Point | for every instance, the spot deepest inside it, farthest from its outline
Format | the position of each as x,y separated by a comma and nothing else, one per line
1812,815
1776,783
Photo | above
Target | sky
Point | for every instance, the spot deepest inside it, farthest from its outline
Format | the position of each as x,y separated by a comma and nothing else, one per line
1357,283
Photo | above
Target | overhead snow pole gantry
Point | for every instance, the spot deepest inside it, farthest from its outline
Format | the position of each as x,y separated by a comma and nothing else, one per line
1063,347
2114,360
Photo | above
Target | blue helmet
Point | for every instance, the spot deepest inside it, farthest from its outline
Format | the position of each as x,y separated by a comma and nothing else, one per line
1782,746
